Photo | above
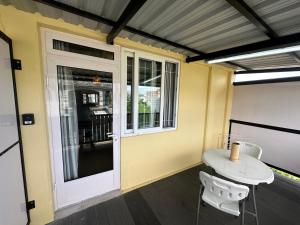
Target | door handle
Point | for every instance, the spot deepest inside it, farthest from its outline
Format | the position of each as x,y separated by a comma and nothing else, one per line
111,135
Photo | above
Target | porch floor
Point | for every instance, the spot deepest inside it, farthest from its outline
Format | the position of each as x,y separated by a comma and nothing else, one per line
173,201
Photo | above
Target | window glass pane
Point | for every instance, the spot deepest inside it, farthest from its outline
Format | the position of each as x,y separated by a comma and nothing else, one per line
170,94
130,69
80,49
149,93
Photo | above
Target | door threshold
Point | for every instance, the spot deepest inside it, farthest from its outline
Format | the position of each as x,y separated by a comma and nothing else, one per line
71,209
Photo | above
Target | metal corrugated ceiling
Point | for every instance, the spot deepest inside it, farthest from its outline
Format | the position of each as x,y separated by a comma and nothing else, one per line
205,25
282,15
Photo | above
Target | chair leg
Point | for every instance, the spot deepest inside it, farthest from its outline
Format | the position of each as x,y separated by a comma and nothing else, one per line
243,213
254,204
248,198
199,204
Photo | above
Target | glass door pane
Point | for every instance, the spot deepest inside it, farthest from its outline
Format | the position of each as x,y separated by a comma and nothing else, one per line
86,117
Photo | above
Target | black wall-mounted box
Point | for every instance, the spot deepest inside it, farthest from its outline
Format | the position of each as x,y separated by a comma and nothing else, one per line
28,119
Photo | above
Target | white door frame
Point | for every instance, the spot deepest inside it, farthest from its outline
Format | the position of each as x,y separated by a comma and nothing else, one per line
75,191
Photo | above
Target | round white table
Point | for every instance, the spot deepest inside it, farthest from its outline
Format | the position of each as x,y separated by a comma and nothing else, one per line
247,169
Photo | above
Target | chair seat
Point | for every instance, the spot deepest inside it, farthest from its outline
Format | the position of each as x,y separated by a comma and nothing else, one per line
231,207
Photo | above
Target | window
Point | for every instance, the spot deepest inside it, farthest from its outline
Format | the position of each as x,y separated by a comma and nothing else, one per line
150,96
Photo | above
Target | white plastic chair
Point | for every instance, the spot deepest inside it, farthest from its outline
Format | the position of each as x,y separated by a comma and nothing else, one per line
250,149
221,194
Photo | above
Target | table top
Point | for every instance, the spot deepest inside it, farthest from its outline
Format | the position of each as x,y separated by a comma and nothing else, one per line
247,169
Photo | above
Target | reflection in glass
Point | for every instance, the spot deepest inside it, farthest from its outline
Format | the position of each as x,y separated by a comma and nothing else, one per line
85,102
149,93
130,69
170,94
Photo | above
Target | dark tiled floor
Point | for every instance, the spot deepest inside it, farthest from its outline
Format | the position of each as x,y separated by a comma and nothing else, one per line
173,201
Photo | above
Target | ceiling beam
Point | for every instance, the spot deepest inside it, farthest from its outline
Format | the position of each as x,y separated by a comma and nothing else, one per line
163,40
131,9
268,81
280,42
256,20
275,70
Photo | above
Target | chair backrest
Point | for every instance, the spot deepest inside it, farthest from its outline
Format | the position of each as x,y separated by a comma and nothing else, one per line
223,189
250,149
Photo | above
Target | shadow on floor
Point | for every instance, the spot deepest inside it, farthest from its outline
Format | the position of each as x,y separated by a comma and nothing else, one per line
173,201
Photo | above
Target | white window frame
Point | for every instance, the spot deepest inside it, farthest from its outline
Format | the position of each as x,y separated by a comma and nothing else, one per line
79,40
136,54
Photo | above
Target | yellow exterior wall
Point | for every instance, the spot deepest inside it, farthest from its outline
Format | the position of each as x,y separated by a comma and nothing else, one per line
218,107
149,157
204,103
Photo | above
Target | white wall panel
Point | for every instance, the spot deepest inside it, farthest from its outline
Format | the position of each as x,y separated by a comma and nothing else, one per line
276,104
12,191
12,199
8,122
279,148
